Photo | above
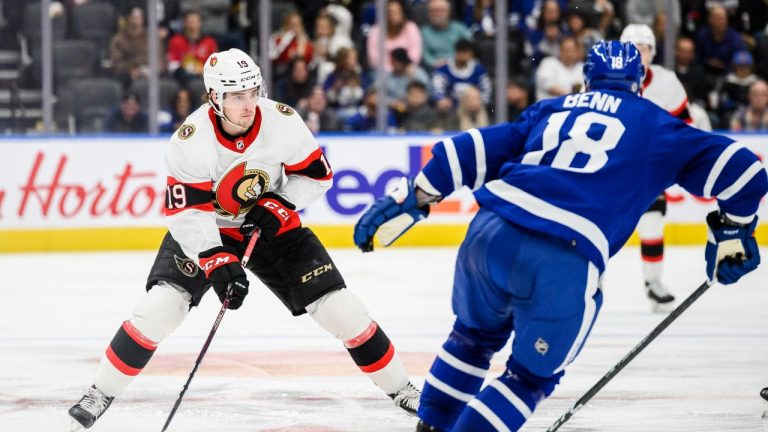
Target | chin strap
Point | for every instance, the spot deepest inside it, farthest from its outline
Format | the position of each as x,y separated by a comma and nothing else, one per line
219,112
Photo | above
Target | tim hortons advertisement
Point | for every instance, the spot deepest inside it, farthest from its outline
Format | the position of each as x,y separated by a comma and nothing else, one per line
90,182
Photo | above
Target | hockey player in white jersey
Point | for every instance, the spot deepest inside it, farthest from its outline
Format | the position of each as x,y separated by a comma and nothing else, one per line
662,87
238,164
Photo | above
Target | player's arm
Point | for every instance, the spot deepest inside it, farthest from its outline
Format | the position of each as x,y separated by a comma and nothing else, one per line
734,175
307,177
188,203
308,174
680,109
473,158
470,159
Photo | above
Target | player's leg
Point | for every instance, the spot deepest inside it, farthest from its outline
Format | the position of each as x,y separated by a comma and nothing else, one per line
551,327
650,229
299,271
175,282
483,325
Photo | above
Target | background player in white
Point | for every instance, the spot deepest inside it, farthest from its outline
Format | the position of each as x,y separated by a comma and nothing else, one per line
660,86
238,164
560,191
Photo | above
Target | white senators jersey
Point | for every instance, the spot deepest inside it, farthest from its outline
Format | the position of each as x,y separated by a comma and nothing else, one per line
662,87
214,178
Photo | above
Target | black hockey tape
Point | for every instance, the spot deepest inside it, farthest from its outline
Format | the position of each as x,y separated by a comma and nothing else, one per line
652,250
131,350
371,351
660,205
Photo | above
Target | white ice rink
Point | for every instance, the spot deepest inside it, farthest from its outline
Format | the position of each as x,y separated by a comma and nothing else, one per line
267,371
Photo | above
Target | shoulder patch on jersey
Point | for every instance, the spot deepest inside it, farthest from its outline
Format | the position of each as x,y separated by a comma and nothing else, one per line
284,109
186,131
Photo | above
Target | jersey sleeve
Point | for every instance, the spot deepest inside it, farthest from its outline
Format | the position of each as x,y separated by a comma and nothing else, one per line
189,198
475,157
680,97
716,166
307,172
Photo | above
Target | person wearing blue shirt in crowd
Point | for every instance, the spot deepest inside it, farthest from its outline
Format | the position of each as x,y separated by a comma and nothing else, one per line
451,79
560,191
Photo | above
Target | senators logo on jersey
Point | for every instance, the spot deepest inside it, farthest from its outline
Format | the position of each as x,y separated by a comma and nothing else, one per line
238,190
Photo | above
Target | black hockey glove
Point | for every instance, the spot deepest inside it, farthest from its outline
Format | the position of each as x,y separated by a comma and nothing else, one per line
273,215
222,268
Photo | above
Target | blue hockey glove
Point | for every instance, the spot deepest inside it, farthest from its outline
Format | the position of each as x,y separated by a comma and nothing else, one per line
391,215
731,249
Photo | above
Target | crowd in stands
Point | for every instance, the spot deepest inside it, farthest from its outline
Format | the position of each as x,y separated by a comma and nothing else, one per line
440,57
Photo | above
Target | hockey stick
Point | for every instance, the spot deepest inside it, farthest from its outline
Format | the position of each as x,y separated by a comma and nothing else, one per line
219,317
630,355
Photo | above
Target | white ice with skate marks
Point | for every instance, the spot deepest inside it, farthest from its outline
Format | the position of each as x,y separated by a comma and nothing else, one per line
269,372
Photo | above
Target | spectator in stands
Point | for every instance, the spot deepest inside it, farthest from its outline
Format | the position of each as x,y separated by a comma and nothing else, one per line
745,16
482,22
188,50
289,42
417,114
327,43
557,76
472,110
128,116
340,11
518,99
400,33
754,117
216,15
316,115
181,108
524,14
689,72
344,87
544,40
365,119
450,80
295,88
404,71
440,34
547,46
128,50
716,43
578,26
734,89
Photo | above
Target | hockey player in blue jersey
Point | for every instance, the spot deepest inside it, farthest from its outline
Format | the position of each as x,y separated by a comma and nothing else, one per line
560,191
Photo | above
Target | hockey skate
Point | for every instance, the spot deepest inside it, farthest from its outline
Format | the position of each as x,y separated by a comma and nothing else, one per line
661,299
90,407
407,398
423,427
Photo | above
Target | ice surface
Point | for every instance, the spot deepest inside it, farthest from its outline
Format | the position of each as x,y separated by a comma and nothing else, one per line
269,372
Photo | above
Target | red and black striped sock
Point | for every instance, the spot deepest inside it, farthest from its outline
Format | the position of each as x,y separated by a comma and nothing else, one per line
130,350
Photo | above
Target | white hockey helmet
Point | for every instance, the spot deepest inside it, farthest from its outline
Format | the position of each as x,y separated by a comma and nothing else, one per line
640,34
230,71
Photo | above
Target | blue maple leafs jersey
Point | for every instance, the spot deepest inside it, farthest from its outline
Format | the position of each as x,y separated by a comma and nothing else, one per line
584,167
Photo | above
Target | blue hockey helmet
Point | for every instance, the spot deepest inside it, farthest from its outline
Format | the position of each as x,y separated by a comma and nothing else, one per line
614,65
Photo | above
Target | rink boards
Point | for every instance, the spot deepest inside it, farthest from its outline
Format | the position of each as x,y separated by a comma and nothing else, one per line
108,193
